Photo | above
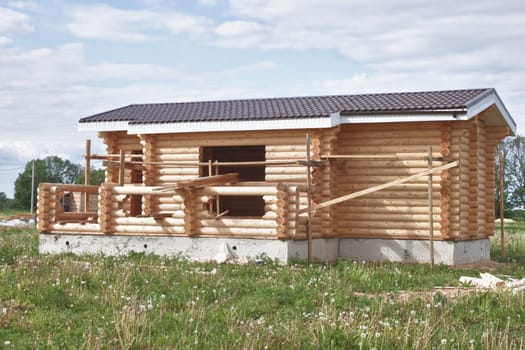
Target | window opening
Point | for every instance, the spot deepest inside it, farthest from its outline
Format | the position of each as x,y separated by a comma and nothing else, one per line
244,206
135,207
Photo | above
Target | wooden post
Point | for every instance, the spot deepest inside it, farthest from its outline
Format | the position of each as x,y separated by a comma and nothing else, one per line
501,207
32,186
217,199
210,172
430,210
87,176
122,167
309,197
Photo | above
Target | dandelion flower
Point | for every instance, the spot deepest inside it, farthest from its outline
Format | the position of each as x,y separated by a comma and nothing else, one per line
443,341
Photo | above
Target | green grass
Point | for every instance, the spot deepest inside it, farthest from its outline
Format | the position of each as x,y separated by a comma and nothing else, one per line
514,234
7,213
148,302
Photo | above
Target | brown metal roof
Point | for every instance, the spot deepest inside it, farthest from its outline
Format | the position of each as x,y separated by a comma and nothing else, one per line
294,107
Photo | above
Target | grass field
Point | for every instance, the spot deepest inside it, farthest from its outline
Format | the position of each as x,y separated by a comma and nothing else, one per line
148,302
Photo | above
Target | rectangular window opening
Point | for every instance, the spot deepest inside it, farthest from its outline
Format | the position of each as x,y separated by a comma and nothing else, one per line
243,206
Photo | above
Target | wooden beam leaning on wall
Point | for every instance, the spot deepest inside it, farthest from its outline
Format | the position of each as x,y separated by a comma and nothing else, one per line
379,187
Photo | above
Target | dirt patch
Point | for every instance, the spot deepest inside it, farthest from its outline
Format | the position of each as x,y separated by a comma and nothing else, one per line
485,264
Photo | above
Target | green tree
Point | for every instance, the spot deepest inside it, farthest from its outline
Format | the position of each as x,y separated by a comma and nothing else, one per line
516,171
50,169
505,149
97,176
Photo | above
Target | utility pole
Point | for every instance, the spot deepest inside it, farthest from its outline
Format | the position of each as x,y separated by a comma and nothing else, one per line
32,186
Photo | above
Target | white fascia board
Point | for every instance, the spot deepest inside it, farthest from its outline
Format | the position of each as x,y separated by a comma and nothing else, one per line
395,118
488,101
103,126
236,125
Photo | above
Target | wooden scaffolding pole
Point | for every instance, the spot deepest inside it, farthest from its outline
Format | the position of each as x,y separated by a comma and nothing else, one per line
430,210
501,207
87,177
122,167
309,198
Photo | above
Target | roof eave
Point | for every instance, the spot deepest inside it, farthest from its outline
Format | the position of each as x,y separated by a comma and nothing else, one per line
484,101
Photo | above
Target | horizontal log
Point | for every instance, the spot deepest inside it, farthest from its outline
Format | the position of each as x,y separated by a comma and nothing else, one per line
392,141
387,210
148,221
387,164
356,134
387,233
77,216
237,223
395,217
293,170
74,227
237,231
175,171
354,224
146,229
285,148
238,190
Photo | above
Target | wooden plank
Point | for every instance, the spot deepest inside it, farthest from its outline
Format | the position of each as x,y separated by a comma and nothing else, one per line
200,182
379,187
127,165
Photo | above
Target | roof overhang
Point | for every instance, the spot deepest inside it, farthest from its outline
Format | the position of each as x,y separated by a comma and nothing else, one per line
498,116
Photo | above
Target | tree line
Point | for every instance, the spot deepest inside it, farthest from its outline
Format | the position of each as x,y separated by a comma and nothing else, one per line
51,169
513,156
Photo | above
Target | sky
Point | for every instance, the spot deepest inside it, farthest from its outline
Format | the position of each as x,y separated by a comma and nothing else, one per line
64,60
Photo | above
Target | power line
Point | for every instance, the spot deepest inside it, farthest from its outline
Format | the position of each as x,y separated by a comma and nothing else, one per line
13,169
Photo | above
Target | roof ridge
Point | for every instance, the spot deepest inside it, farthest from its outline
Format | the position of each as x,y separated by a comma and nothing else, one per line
305,97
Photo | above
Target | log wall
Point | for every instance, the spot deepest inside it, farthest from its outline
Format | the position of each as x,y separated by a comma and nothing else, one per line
462,196
400,211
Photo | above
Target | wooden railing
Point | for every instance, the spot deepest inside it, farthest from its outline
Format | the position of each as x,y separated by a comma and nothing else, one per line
281,219
57,204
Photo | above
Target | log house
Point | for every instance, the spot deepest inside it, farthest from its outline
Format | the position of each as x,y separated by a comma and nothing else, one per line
152,199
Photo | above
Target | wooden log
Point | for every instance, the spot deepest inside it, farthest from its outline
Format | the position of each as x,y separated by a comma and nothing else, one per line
148,221
354,224
238,190
146,229
392,217
176,171
237,223
237,231
77,216
74,227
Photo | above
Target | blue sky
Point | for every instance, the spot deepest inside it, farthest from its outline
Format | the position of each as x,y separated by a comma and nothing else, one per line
63,60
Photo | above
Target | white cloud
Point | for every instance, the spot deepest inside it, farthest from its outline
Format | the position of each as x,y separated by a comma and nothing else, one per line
208,2
5,40
406,45
24,5
13,22
109,23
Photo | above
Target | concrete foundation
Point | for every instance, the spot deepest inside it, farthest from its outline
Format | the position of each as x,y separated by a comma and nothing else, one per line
397,250
326,250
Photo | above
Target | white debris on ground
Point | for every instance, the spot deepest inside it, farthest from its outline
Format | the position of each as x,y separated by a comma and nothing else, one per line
225,254
489,281
17,223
